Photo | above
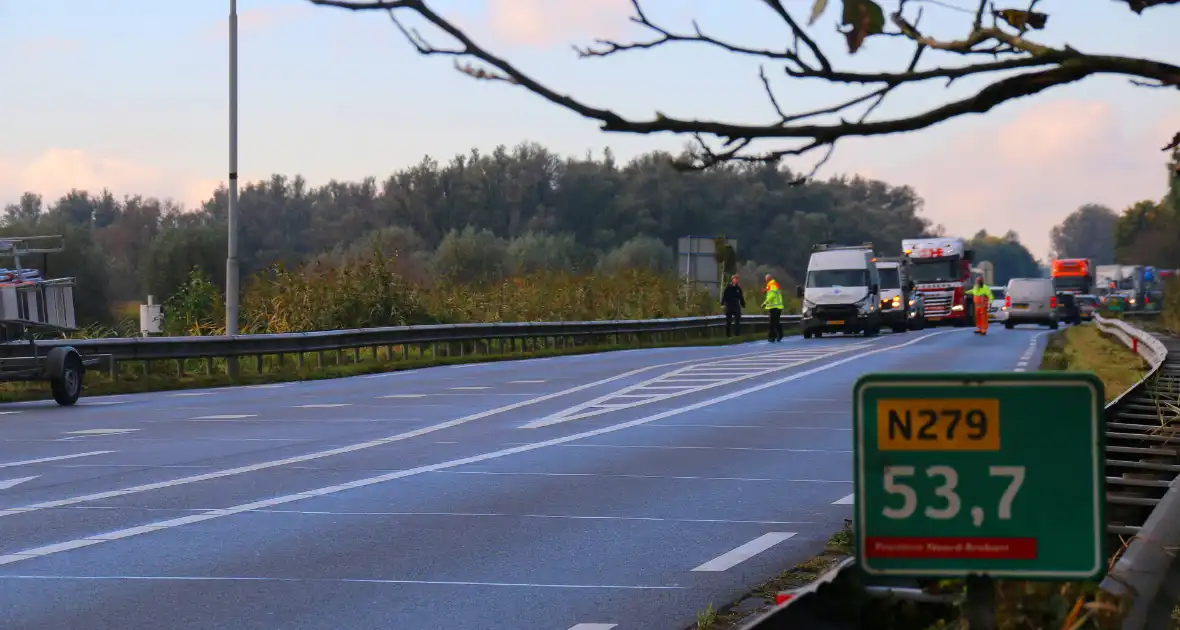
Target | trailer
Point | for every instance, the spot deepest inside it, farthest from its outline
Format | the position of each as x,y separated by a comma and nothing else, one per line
30,304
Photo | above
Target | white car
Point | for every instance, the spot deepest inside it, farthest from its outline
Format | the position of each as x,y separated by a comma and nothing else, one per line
997,312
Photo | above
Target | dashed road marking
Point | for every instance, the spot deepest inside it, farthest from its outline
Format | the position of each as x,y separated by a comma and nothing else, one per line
100,431
1026,358
242,416
323,405
404,396
52,459
470,388
734,557
848,500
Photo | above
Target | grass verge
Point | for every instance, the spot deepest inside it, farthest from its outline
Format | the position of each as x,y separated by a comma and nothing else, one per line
163,376
1087,349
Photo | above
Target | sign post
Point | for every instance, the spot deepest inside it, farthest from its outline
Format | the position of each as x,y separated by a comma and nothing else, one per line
980,476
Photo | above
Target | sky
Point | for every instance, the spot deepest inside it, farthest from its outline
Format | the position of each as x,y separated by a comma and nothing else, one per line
132,96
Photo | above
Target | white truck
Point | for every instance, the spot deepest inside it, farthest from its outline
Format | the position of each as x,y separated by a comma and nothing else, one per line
899,310
842,291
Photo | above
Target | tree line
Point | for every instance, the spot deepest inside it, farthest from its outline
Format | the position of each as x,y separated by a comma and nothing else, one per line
476,220
1145,233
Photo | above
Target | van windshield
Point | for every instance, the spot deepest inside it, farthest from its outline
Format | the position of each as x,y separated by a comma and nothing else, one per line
890,278
837,278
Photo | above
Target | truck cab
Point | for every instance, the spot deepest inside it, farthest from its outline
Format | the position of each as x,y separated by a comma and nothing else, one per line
842,292
941,271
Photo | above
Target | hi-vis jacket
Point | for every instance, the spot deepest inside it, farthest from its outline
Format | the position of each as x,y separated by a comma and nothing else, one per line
982,290
774,297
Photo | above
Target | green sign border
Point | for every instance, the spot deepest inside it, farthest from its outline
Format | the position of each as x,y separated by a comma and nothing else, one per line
1001,379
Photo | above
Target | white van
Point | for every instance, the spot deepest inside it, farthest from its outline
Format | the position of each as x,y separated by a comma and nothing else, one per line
842,293
1031,301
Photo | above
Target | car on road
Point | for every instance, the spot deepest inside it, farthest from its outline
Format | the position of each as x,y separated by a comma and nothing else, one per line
1031,301
997,312
1087,305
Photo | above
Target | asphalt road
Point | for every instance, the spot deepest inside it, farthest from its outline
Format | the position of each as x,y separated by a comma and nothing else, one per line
629,489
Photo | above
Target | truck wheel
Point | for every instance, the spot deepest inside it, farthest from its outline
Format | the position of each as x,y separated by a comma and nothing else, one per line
1053,325
807,334
898,329
1009,325
67,387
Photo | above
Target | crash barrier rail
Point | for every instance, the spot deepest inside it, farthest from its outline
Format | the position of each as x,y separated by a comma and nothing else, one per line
1143,488
455,339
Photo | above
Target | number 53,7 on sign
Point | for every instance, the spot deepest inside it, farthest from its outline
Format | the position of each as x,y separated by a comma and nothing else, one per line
953,475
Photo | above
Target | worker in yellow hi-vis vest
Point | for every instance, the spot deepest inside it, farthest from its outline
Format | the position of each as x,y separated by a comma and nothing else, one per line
773,305
982,296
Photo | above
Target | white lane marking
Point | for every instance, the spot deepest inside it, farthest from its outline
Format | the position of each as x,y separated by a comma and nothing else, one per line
103,402
571,517
52,459
1026,358
323,405
848,500
734,557
183,394
310,456
602,404
401,474
4,485
100,431
270,386
194,578
8,413
470,388
241,416
710,448
746,426
404,396
594,626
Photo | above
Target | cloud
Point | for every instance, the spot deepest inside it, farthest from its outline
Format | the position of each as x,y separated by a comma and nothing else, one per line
1029,173
56,171
544,23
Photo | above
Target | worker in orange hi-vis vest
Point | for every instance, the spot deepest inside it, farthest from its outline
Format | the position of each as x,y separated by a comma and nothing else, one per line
982,296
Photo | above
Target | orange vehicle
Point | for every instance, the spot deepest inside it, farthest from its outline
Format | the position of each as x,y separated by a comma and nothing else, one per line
1072,275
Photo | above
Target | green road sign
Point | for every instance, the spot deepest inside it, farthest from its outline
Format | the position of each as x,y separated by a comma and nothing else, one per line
999,474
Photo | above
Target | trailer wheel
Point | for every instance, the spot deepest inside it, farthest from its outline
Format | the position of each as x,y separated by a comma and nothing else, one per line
67,385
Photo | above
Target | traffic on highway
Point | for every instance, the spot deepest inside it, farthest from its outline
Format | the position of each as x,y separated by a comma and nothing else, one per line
622,490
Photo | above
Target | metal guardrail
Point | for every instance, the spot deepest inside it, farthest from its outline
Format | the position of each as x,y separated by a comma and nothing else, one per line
466,336
1147,491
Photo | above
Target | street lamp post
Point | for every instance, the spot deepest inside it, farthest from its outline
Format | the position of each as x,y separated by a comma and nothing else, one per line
231,261
231,274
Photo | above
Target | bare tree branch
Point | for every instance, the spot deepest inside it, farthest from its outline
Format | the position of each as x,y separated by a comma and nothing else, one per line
1026,68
